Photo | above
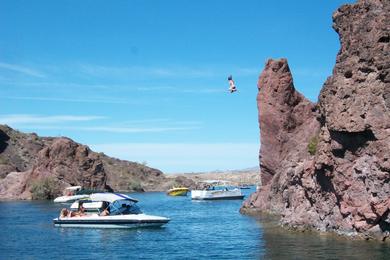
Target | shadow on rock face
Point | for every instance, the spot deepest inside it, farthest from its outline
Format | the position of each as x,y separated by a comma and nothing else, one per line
3,141
350,141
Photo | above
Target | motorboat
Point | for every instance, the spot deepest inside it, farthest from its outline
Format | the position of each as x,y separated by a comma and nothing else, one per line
210,194
71,195
245,187
179,191
216,192
122,213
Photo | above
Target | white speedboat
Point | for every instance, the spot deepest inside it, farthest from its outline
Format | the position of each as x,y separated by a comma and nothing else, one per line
123,213
71,195
216,194
214,191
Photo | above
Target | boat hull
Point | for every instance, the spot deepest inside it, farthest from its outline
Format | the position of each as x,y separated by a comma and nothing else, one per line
108,224
122,221
177,192
125,226
217,194
238,197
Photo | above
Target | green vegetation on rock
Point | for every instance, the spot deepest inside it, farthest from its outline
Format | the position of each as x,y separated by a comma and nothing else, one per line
312,146
135,186
4,160
44,189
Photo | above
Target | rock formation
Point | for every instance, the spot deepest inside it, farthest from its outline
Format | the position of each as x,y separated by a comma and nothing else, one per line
27,158
333,175
286,119
288,124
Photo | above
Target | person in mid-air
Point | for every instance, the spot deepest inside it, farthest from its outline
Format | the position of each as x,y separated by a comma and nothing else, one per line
232,86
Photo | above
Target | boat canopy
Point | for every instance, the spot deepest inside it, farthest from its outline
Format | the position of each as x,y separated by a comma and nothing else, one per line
124,206
211,181
73,188
110,197
216,182
88,205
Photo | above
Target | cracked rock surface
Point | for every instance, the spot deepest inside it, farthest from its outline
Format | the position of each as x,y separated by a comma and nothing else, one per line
327,166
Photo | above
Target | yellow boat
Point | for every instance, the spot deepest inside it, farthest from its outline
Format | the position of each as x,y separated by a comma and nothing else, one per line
180,191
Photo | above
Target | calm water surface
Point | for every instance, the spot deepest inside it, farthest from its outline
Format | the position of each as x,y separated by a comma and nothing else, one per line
198,230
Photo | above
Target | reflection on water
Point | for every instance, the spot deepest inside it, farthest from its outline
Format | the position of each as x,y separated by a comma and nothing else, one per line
283,244
198,230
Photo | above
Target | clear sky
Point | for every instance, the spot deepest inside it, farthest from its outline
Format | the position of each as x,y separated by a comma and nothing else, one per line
146,80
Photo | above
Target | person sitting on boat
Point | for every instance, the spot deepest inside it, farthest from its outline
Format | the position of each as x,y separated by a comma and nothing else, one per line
106,210
64,213
81,210
67,213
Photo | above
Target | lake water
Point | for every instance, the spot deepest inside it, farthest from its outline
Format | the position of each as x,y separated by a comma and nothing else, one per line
198,230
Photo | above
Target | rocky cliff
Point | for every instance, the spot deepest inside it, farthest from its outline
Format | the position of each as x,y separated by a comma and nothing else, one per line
27,160
332,174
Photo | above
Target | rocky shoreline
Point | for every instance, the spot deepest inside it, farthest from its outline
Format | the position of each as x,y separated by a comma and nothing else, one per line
326,166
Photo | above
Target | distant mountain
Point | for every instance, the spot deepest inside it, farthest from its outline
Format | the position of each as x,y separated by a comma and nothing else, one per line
31,165
250,169
235,177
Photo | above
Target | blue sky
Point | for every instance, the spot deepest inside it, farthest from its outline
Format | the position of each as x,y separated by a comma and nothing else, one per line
147,80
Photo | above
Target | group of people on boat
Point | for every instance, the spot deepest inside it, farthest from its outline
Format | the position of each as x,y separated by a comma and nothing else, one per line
69,213
81,211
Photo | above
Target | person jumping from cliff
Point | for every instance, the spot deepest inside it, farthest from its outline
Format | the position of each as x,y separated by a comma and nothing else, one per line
232,86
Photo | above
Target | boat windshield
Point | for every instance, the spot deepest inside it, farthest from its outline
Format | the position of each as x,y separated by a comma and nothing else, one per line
120,207
220,187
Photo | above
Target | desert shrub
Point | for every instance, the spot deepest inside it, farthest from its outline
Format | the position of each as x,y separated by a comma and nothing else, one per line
135,186
44,189
312,145
3,160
